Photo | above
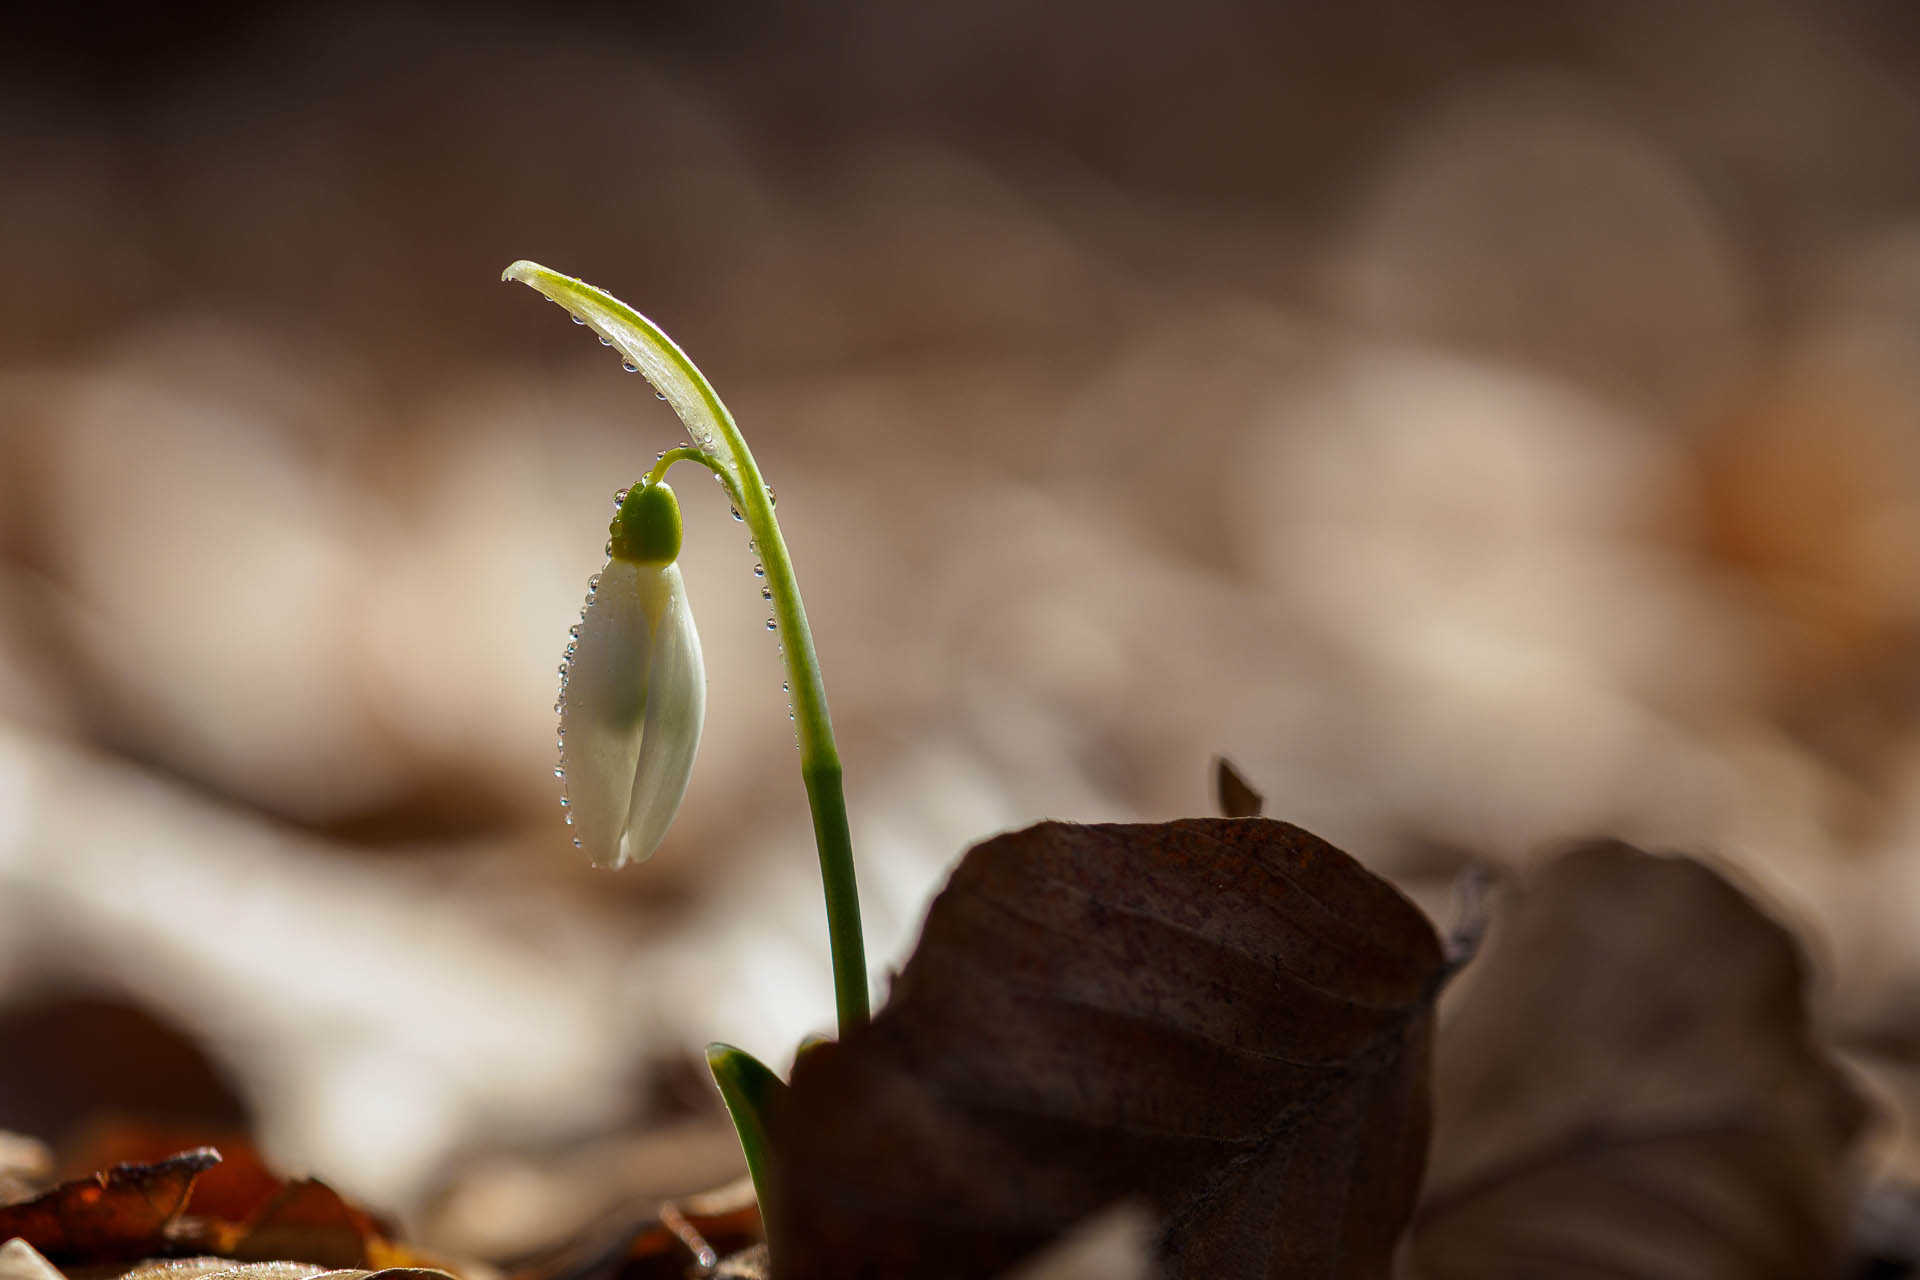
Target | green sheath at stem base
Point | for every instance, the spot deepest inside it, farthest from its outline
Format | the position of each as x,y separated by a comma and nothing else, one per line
749,1088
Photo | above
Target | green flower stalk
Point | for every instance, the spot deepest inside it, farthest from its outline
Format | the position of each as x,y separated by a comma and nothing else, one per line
634,690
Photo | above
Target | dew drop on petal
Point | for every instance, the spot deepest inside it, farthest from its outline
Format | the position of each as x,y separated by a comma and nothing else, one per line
773,499
605,341
759,571
766,593
579,319
772,625
593,583
560,772
659,395
735,513
576,843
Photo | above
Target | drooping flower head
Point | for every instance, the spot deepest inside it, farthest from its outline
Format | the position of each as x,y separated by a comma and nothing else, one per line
633,689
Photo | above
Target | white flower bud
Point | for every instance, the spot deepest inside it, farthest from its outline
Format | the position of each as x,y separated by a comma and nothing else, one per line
633,697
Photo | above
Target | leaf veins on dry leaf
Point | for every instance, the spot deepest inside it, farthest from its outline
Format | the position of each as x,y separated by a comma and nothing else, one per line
1226,1019
1228,1022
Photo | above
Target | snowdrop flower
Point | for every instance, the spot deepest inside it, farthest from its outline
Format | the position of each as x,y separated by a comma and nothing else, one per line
633,690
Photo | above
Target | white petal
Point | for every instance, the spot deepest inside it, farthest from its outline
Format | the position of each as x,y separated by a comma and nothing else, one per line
676,709
604,704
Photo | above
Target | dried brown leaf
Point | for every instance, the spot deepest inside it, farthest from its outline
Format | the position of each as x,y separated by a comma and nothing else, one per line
309,1222
1233,793
645,1247
235,1190
135,1211
122,1213
1630,1088
1226,1020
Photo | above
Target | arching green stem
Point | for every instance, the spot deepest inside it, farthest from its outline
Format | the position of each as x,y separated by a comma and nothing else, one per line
684,454
720,447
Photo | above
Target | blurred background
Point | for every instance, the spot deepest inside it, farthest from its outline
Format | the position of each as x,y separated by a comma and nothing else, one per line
1486,424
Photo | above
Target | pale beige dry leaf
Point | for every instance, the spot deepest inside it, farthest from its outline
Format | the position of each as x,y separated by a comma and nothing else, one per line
21,1261
220,1269
26,1167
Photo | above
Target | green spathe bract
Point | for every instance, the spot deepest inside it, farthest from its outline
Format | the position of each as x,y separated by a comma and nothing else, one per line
646,529
719,446
748,1088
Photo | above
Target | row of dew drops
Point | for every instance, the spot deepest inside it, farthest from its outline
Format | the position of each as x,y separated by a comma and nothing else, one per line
593,587
706,440
759,571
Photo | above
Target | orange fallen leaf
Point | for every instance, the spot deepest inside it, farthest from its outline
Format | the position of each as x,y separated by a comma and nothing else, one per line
235,1190
122,1213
